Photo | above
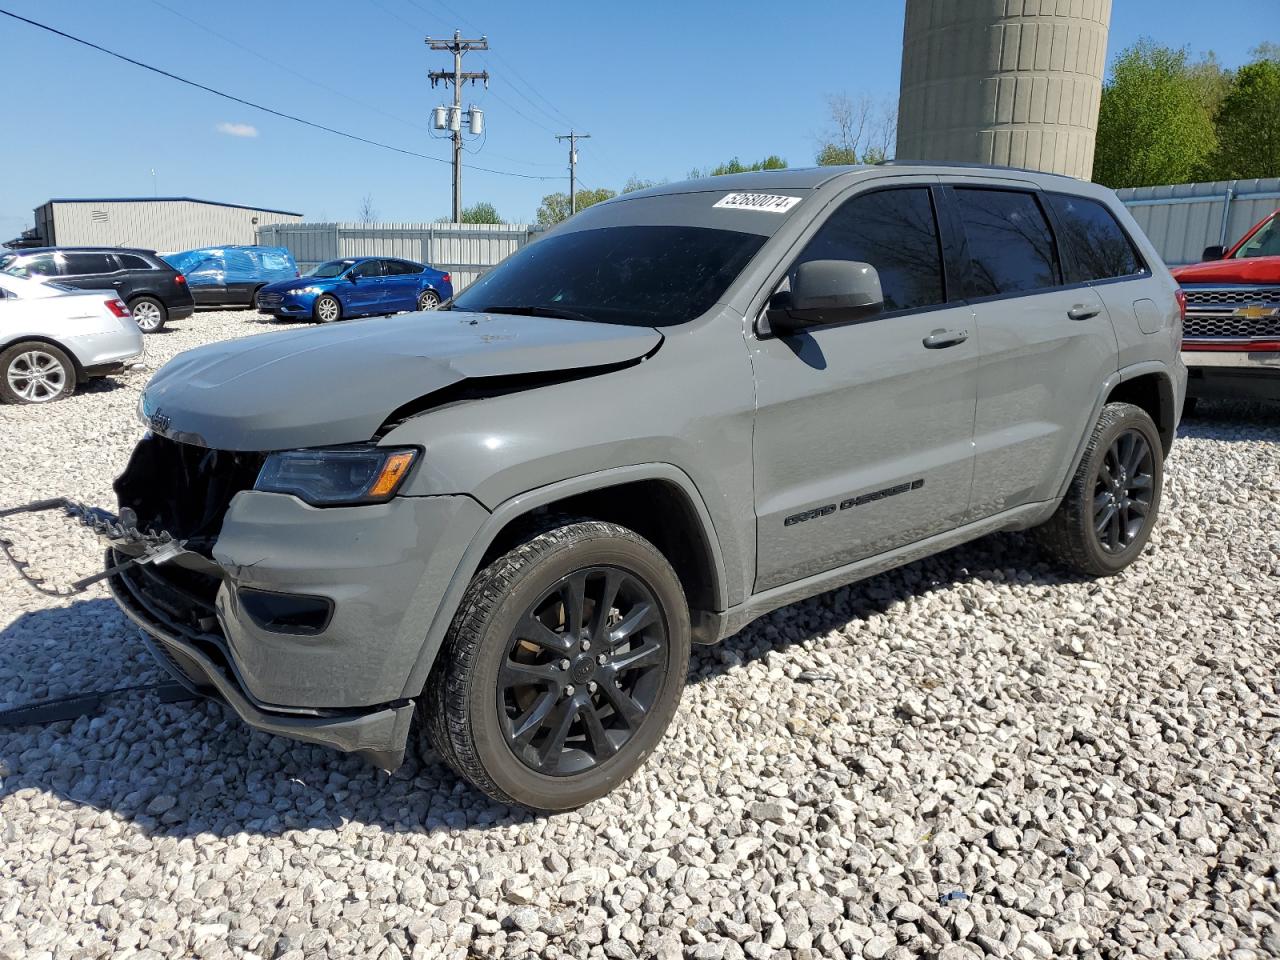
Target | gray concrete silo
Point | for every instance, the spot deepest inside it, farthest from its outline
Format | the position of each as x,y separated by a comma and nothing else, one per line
1010,82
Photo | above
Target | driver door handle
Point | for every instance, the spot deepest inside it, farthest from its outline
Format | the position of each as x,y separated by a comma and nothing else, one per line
945,338
1084,311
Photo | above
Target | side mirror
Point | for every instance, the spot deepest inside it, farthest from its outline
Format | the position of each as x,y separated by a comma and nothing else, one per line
1216,252
351,276
826,291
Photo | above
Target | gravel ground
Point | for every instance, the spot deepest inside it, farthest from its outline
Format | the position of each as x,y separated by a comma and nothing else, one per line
970,756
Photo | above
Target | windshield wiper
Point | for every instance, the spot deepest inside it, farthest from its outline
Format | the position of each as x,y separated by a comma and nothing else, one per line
535,311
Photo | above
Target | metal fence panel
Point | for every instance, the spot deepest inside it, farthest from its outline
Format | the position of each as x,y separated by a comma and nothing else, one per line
1184,218
465,250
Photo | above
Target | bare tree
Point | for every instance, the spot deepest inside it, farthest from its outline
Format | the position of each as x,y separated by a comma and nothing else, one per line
368,213
859,129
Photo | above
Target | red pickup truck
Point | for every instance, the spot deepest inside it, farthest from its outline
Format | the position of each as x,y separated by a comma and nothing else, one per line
1231,337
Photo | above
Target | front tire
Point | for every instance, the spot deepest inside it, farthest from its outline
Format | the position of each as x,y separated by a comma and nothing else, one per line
149,314
327,309
562,669
35,372
1111,506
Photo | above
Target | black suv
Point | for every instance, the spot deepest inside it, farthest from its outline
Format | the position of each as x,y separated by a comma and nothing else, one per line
155,292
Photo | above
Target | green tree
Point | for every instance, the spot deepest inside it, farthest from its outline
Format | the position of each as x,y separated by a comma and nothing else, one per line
771,162
482,212
635,183
1153,126
1248,124
555,206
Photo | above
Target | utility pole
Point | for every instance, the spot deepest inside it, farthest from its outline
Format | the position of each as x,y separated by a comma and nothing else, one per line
458,46
573,139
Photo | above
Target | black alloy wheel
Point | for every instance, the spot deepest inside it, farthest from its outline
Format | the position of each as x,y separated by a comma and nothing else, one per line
583,670
562,668
1123,492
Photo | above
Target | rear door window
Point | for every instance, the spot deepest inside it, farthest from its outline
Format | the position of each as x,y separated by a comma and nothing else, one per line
894,231
1097,247
86,264
1011,248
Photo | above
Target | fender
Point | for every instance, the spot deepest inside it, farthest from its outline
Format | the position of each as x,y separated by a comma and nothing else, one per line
1131,372
522,504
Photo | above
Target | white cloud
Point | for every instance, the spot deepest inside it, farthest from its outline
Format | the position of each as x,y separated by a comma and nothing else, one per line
237,129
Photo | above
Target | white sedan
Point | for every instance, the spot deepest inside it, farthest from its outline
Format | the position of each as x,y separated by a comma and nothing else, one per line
53,337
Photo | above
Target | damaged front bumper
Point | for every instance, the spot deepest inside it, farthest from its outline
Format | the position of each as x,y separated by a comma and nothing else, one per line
378,572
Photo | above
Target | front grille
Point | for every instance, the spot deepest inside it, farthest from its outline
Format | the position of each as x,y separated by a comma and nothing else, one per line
184,490
1232,296
269,299
1229,327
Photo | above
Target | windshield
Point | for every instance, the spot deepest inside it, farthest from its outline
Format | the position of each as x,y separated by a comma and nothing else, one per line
1264,243
642,275
333,268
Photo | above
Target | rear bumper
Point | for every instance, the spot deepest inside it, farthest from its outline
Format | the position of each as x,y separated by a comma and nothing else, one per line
180,311
107,349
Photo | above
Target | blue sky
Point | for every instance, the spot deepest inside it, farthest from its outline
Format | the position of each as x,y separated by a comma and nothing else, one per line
661,86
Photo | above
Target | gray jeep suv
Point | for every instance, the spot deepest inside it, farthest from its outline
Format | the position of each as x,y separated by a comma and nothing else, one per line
677,411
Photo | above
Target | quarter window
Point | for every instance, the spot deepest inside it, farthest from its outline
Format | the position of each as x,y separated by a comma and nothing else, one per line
894,231
1100,249
131,261
1011,248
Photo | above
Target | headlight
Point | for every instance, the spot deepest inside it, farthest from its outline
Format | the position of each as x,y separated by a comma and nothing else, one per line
309,290
326,476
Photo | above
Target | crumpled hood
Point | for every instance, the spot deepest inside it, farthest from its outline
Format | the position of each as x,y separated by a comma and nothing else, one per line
337,383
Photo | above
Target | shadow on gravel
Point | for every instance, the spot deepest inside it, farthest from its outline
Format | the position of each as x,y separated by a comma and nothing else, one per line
1232,420
188,768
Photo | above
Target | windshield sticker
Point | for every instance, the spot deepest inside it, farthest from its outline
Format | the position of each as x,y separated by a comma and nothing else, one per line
764,202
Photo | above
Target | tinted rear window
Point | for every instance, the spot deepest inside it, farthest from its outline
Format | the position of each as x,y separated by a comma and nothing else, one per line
131,261
81,264
1099,247
643,275
1011,248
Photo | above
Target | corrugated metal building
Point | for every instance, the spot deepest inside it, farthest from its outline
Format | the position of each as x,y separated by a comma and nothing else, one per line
465,250
165,224
1183,219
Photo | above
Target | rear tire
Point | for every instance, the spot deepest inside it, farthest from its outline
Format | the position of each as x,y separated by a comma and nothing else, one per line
35,372
149,314
428,300
504,710
1107,516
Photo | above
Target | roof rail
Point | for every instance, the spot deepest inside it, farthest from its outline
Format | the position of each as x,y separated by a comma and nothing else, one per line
968,165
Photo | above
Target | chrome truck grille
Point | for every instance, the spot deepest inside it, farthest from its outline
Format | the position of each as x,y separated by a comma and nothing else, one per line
1232,313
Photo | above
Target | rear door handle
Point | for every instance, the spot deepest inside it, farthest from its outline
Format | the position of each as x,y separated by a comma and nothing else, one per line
945,338
1083,311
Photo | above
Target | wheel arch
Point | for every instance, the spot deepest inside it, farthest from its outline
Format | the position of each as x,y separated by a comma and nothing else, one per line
81,376
642,498
1150,387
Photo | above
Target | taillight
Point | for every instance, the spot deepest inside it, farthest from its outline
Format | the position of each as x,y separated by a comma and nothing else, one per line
1181,296
448,278
117,308
179,279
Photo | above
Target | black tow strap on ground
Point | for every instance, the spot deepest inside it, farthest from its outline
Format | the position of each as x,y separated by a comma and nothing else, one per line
86,704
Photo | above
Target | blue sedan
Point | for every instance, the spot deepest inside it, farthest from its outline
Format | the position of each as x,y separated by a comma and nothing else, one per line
356,287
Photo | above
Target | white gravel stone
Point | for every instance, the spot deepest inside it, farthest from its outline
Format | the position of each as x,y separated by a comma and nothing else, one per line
1095,764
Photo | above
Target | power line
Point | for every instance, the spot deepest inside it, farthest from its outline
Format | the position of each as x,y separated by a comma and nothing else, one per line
258,106
276,63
